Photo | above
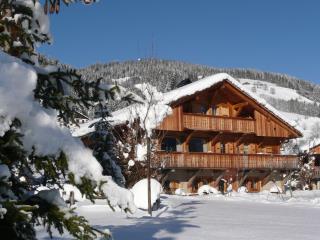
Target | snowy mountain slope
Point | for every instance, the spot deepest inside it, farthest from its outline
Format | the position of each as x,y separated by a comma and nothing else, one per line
262,89
166,74
291,95
310,127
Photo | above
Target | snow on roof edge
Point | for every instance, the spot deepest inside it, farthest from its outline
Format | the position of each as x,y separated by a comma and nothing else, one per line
212,80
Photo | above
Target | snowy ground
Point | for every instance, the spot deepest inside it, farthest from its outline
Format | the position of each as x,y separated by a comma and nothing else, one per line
241,216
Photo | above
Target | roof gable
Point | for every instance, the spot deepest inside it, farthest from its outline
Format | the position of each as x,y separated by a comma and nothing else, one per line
188,91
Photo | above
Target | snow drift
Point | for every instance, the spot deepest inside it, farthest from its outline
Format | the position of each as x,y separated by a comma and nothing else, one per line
140,192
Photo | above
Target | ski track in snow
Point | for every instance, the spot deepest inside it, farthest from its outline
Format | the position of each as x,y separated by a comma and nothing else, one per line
211,217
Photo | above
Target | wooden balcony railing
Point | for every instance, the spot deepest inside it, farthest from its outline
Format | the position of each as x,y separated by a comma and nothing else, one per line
221,161
215,123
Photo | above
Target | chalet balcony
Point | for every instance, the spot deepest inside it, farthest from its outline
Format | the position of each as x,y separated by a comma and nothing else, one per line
222,161
217,123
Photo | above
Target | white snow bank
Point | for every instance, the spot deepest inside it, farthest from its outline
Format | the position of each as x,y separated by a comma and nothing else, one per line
140,192
118,196
66,191
298,197
40,127
242,189
180,192
206,189
275,189
52,196
308,197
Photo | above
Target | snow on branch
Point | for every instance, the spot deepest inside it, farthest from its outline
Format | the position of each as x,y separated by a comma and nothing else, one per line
40,128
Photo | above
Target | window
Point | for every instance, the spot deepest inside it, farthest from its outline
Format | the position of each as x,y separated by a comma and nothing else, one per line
187,108
169,145
317,161
196,145
203,109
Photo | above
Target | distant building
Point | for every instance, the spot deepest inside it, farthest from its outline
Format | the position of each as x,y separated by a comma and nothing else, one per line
315,151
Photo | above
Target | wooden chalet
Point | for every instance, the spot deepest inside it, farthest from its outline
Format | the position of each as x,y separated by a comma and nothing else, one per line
315,151
217,130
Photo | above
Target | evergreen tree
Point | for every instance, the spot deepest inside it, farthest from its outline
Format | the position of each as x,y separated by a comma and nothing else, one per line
27,158
104,149
302,177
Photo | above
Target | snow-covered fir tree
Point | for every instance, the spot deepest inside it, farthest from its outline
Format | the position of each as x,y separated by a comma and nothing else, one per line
104,149
36,149
301,178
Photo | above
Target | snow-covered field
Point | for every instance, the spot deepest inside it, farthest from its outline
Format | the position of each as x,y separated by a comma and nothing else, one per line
240,216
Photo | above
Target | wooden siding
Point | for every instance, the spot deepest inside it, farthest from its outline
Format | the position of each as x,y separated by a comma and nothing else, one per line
172,122
267,127
214,123
261,125
222,161
240,114
315,150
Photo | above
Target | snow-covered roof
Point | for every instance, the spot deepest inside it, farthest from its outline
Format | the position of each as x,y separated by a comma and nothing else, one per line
122,115
315,143
210,81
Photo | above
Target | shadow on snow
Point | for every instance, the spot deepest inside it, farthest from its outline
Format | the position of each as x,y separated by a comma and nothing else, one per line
175,221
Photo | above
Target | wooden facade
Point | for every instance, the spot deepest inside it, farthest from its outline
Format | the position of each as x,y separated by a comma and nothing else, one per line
222,128
315,149
226,161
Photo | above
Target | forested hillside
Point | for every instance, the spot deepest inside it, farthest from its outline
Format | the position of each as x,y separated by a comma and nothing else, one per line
166,75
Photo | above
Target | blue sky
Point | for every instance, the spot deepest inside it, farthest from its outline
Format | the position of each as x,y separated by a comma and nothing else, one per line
272,35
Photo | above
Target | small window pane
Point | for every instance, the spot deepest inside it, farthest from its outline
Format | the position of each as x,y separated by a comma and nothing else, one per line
196,145
169,145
